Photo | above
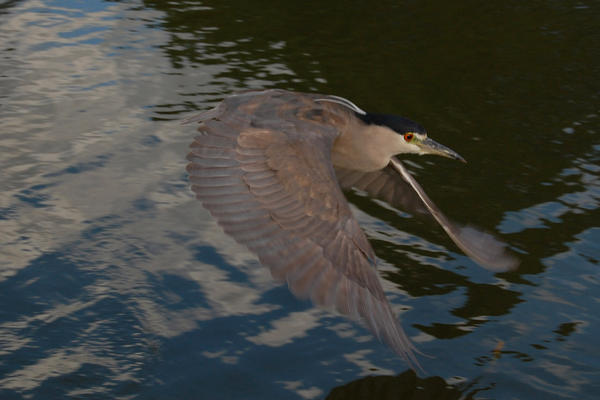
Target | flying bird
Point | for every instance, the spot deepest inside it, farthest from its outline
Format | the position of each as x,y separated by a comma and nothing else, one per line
271,167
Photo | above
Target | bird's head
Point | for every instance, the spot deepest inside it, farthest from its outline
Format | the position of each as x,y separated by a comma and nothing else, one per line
412,136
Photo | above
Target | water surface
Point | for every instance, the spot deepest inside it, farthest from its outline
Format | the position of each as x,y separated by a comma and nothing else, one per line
115,283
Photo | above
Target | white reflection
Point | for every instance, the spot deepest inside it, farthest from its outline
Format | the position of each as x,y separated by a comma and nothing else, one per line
288,328
366,367
305,393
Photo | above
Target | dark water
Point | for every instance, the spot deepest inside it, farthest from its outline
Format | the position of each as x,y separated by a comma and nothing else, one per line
116,284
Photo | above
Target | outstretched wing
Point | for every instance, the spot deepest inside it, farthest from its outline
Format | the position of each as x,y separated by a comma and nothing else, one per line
396,186
482,247
264,172
385,184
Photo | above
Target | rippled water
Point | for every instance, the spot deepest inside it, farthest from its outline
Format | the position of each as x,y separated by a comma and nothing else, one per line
116,283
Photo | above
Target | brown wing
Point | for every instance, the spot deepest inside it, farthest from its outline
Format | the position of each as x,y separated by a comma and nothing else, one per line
397,187
482,247
386,185
264,171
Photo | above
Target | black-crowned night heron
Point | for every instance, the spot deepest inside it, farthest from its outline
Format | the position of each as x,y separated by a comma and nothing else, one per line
270,166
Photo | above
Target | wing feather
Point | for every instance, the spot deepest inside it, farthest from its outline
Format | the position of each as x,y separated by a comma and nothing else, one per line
397,187
264,172
482,247
384,184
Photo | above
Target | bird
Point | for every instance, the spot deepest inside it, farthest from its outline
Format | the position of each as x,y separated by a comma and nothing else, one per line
271,166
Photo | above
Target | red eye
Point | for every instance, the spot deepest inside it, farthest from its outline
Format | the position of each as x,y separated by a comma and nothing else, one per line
408,137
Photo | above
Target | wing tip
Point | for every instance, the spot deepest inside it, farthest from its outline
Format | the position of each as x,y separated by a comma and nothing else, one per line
486,250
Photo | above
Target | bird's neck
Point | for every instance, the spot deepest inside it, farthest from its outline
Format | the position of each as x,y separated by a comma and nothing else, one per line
365,147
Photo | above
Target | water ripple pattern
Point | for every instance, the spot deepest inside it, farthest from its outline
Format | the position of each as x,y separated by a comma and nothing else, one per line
116,284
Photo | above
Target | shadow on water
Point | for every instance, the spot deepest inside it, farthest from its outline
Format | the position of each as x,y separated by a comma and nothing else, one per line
405,386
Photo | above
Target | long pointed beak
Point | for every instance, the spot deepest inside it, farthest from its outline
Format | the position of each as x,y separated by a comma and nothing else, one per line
430,146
